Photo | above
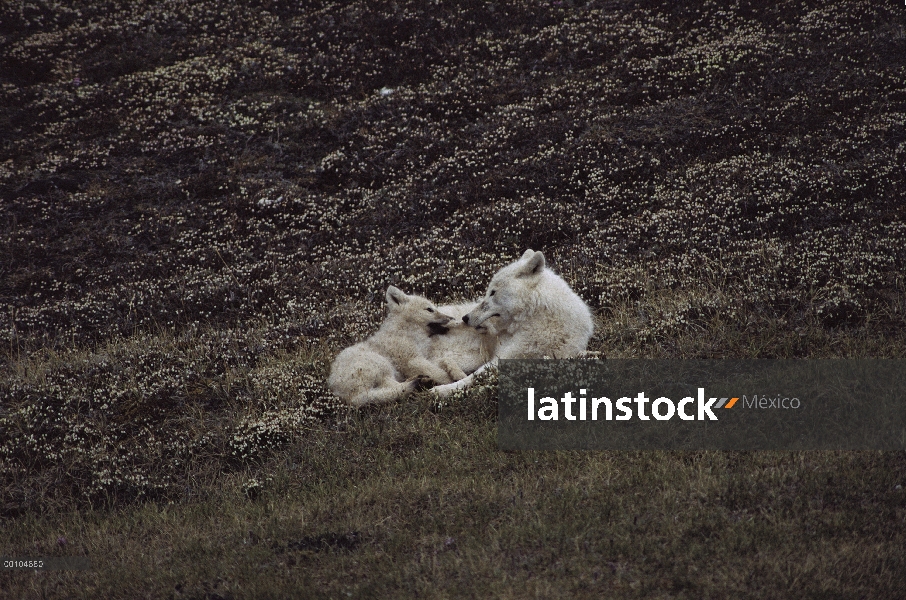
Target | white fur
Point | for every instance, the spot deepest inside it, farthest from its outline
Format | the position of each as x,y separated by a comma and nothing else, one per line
534,312
462,349
389,364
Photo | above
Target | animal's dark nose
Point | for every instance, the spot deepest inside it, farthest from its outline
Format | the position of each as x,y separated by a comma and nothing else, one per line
465,319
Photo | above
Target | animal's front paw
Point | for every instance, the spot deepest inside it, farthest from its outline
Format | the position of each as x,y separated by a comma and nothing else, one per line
421,382
442,391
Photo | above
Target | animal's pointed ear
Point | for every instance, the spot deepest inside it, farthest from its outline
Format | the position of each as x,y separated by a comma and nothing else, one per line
534,266
527,254
396,297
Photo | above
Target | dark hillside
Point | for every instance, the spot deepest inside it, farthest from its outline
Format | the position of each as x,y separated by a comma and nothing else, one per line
168,164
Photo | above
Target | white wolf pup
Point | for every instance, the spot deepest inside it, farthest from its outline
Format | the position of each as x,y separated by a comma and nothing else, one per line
534,312
394,361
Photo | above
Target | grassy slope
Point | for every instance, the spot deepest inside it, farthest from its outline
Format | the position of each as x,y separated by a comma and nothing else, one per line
407,501
203,205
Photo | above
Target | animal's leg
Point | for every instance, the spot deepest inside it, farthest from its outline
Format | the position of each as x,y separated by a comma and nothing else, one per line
388,391
423,366
453,370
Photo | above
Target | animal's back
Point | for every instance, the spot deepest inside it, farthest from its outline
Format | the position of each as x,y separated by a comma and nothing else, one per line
360,365
568,318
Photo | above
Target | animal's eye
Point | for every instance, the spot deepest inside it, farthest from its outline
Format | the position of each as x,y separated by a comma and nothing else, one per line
429,309
493,292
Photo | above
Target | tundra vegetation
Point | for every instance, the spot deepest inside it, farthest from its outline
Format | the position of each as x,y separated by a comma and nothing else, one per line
203,202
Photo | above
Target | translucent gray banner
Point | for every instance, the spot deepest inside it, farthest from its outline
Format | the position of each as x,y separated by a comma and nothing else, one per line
808,404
